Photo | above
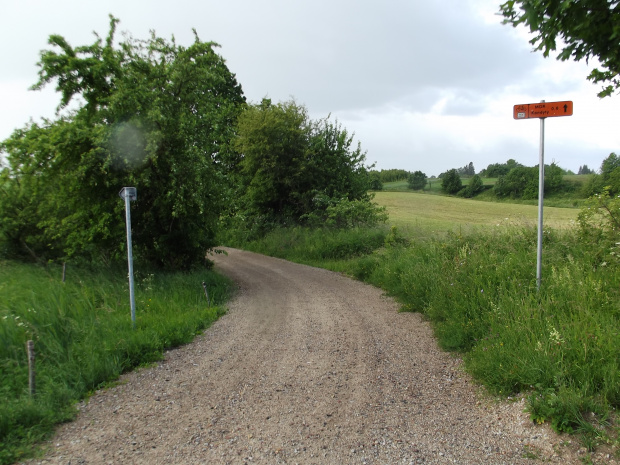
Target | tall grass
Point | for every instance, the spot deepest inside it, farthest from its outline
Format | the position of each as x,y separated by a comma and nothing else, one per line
316,246
83,337
559,345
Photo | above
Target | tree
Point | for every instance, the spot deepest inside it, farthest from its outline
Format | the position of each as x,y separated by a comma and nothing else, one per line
586,28
520,182
554,178
154,115
496,170
584,170
292,166
375,181
417,180
610,173
451,182
467,170
474,187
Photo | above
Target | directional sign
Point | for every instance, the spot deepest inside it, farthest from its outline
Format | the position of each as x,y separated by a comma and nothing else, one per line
543,110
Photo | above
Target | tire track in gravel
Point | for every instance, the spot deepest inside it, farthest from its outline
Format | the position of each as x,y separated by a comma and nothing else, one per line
307,367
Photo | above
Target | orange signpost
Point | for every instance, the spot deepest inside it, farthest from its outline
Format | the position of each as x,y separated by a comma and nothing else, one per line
543,110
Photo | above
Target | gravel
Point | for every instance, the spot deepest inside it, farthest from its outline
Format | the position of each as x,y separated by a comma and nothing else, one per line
307,367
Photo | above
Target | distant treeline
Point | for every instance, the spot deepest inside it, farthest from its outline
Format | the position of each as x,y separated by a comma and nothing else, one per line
390,175
514,180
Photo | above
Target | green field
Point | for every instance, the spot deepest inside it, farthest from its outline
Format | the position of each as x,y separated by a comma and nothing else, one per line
436,213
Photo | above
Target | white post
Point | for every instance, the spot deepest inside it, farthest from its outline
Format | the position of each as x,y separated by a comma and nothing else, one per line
541,196
129,193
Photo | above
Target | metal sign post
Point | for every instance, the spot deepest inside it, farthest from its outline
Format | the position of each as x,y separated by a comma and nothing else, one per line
541,199
130,193
541,110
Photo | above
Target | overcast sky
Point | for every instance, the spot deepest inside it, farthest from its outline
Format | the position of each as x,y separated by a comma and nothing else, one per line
424,85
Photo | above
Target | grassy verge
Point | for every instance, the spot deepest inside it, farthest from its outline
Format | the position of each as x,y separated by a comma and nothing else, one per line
560,346
83,337
317,246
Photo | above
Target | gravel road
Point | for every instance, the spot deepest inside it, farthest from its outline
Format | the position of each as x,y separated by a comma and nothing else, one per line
307,367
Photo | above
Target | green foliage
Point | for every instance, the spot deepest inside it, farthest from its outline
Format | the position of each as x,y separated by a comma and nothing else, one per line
554,178
392,175
344,213
294,169
586,29
584,170
417,180
495,170
468,170
610,173
451,182
474,187
599,228
375,181
83,337
315,246
137,125
520,182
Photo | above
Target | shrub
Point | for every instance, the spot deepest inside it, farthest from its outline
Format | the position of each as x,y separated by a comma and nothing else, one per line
417,180
451,182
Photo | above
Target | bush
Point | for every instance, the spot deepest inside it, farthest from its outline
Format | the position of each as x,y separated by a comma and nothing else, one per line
345,213
416,180
474,187
451,182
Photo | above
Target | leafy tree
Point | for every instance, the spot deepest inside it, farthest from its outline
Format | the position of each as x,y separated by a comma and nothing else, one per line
154,115
610,164
417,180
292,166
393,175
554,178
520,182
451,182
467,170
610,173
474,187
496,170
584,170
586,29
375,181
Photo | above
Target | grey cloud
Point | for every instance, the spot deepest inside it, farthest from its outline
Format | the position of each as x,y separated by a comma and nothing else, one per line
359,55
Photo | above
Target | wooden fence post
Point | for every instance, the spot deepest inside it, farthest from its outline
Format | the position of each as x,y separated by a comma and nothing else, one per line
31,368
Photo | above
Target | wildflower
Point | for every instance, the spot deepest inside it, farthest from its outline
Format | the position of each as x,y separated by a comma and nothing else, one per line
555,336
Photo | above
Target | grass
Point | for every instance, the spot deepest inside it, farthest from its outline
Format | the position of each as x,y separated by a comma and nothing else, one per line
570,197
83,337
432,214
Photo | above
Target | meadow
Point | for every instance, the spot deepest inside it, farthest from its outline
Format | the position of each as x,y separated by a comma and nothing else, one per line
472,274
432,214
83,337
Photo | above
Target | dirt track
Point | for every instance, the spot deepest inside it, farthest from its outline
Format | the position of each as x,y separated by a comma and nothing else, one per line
307,367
